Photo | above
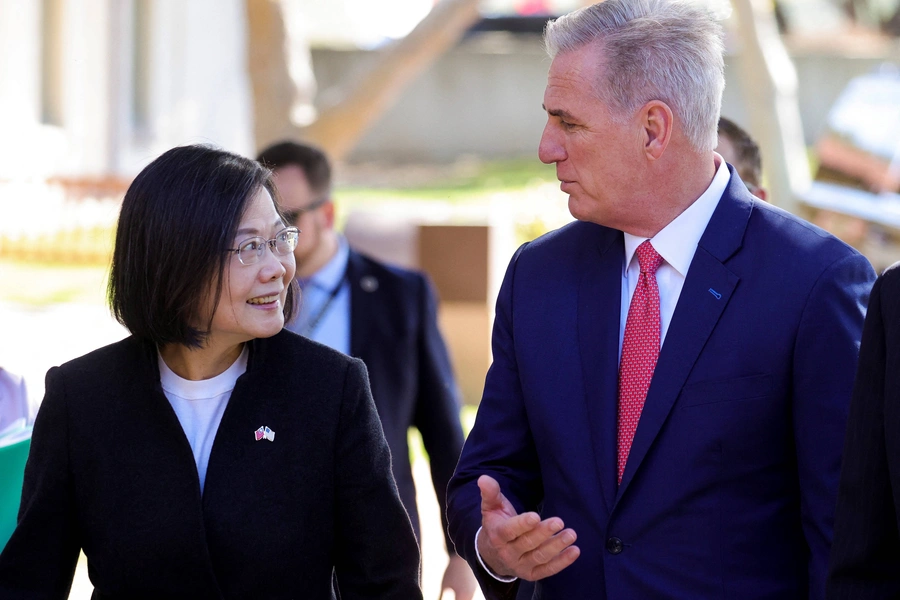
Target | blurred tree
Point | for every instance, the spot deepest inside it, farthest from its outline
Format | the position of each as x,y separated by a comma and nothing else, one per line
358,103
769,81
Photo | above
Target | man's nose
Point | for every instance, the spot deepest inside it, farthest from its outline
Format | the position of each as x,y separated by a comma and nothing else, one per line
550,150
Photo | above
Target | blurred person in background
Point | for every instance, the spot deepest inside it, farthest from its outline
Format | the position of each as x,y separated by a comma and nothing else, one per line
14,405
671,373
211,454
865,556
742,152
384,315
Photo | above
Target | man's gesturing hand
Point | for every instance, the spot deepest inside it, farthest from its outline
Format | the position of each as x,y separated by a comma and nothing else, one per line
521,545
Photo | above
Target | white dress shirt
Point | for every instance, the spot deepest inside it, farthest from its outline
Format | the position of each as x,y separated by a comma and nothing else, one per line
676,243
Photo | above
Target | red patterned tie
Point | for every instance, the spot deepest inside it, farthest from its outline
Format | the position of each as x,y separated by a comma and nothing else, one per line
640,349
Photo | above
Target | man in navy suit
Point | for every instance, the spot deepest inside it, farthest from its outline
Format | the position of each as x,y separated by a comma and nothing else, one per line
665,410
385,316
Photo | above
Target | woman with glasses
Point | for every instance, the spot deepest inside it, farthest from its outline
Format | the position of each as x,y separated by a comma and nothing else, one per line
211,454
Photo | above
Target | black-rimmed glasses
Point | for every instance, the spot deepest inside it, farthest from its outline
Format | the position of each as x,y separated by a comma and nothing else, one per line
291,216
252,249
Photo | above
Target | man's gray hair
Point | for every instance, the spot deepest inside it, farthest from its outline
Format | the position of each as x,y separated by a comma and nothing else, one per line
668,50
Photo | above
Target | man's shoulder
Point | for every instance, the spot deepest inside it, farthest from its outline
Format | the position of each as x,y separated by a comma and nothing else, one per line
804,241
569,241
363,265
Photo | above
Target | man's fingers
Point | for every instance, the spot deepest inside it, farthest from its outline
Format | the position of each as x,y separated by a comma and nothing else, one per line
549,549
512,528
556,564
525,535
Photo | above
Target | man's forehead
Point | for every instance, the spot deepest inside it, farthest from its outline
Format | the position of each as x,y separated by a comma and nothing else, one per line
575,70
292,185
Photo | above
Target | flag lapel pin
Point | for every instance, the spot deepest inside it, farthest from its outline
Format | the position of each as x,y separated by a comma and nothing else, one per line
264,433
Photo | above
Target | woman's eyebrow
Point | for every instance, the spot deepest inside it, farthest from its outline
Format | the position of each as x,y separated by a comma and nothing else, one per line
252,230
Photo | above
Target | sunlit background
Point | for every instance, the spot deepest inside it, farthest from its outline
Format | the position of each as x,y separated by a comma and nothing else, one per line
432,112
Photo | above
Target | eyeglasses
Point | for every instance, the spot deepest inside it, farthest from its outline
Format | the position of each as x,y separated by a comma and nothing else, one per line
251,250
290,216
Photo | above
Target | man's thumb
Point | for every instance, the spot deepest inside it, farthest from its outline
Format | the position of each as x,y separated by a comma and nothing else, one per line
491,498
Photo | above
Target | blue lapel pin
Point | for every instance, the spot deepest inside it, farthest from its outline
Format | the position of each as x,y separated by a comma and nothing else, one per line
717,295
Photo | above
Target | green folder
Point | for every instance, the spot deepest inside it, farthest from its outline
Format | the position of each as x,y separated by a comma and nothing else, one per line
12,472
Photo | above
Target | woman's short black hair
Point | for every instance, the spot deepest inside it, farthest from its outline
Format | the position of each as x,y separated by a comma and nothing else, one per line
178,219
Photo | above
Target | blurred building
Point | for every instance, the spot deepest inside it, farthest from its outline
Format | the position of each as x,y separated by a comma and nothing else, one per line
90,92
94,87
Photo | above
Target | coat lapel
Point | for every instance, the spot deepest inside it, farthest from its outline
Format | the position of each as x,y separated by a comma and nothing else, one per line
148,391
240,419
599,300
362,283
706,292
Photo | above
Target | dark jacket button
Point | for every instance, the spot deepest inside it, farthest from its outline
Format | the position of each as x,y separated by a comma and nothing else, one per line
614,545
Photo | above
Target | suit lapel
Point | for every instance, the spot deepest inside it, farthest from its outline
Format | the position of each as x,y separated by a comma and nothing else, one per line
599,300
360,325
707,290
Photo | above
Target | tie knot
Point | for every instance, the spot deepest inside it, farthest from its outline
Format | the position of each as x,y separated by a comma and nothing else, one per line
648,258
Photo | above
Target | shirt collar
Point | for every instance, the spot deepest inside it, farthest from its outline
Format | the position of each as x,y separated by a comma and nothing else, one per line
677,241
330,275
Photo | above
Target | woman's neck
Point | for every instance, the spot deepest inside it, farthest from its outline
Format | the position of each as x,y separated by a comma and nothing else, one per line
196,364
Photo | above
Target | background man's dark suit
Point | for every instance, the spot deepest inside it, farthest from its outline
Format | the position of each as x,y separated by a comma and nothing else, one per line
865,558
730,486
393,329
110,471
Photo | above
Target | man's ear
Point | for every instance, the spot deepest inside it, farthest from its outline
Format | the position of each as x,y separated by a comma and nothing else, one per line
328,214
657,121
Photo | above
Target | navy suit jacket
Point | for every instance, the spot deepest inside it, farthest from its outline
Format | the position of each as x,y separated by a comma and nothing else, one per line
730,486
393,329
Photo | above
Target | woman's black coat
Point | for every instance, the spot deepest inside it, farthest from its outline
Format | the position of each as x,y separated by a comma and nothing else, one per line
111,471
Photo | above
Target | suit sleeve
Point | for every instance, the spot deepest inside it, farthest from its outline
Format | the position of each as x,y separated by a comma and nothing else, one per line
500,445
437,406
376,555
865,559
825,357
39,559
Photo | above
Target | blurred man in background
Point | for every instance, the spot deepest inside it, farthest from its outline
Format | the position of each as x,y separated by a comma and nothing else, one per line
742,152
385,316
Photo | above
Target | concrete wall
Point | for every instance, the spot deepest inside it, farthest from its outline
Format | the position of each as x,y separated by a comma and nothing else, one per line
484,97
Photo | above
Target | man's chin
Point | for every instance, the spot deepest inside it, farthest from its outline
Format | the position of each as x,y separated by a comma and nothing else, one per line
576,208
585,211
